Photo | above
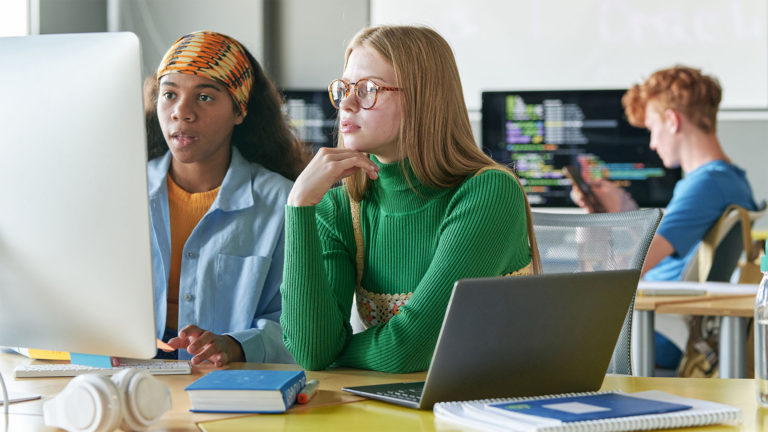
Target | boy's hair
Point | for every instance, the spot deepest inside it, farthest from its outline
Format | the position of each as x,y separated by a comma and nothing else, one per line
682,89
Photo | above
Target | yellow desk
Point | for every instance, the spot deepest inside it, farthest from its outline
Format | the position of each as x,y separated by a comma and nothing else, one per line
27,416
377,416
334,410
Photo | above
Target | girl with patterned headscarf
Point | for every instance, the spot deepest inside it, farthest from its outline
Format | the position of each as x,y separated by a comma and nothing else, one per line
222,158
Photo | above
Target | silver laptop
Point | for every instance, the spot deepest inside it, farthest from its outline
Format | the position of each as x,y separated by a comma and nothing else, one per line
521,336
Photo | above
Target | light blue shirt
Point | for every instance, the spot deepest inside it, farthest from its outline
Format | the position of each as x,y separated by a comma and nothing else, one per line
697,202
232,263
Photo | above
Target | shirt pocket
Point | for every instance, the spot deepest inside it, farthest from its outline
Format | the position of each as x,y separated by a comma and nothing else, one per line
239,284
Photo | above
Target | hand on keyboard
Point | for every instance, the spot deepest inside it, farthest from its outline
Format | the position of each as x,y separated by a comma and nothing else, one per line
205,345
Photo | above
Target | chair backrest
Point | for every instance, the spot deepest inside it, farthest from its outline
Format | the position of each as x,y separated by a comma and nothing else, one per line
577,242
717,255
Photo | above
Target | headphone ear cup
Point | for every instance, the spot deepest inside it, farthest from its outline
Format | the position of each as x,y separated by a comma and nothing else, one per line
144,399
89,403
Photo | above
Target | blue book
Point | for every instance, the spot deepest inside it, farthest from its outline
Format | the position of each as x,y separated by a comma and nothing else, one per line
583,408
246,391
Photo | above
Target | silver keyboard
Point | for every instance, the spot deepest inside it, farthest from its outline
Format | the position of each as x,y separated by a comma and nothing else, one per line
155,367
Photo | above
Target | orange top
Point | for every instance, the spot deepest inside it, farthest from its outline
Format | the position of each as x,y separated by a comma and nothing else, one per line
185,211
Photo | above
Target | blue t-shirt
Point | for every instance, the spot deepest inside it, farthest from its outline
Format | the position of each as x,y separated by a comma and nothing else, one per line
697,202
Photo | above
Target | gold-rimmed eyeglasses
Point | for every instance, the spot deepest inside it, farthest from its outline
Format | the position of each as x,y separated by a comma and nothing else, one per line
367,92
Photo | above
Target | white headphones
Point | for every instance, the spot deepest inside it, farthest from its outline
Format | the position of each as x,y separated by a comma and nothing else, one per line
132,400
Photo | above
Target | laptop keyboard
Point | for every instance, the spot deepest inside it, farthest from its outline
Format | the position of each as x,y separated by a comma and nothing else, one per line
403,391
409,394
155,367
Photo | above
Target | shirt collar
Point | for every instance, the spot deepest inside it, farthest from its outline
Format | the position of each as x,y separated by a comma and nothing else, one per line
236,190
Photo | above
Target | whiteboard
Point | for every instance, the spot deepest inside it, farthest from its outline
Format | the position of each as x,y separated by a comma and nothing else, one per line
601,44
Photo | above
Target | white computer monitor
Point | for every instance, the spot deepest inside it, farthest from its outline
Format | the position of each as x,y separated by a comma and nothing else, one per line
75,260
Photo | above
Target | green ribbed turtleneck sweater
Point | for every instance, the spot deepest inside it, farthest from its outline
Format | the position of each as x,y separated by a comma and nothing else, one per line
420,243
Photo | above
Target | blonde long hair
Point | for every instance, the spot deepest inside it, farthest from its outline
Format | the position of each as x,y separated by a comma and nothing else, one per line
435,134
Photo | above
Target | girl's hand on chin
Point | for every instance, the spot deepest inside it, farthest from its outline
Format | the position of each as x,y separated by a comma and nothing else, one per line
328,167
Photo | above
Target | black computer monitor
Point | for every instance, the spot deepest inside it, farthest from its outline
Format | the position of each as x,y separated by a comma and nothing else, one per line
312,115
539,132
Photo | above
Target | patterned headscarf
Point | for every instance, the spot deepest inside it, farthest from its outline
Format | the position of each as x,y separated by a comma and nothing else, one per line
215,56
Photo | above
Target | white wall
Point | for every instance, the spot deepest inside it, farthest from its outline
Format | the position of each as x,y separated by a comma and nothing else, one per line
299,43
159,23
14,18
561,44
311,38
71,16
745,141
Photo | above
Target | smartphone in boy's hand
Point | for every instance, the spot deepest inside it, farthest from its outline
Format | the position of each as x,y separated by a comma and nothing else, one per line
574,173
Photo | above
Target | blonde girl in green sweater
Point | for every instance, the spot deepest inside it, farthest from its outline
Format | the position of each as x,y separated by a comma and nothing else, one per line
426,209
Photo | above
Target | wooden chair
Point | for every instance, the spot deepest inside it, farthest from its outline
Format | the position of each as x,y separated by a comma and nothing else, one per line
718,253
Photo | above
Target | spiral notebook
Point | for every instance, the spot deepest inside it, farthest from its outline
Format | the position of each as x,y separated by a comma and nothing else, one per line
605,411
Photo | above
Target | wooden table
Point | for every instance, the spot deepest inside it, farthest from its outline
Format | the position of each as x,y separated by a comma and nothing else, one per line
643,339
334,410
735,313
643,333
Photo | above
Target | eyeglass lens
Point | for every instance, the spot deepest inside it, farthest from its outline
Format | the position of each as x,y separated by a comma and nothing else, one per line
365,92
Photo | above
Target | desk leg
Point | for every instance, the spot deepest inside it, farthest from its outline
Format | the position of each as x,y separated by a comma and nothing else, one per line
733,336
643,343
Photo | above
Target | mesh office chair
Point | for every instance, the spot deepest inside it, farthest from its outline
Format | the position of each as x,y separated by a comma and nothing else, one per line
570,243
